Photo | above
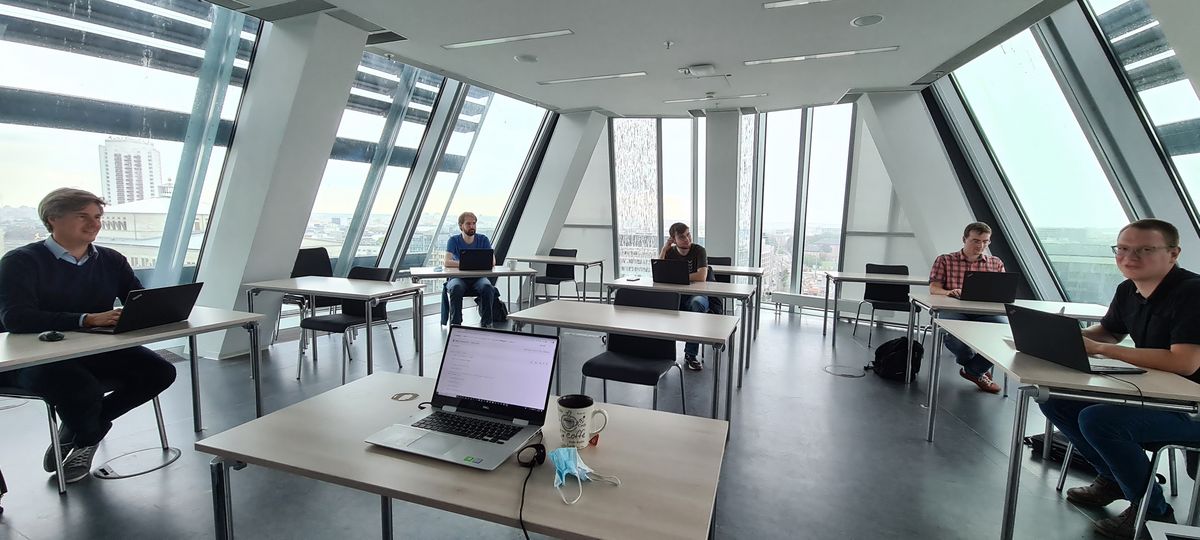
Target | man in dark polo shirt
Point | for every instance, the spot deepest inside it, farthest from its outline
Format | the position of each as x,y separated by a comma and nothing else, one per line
1159,307
66,283
680,246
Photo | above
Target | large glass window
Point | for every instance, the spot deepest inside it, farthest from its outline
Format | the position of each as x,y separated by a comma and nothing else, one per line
701,175
781,176
1048,164
826,194
635,178
1166,94
677,173
745,187
120,99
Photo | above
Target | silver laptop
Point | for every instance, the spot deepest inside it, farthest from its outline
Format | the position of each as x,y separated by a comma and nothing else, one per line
490,399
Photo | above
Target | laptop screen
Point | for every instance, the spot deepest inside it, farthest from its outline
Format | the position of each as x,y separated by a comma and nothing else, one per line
486,368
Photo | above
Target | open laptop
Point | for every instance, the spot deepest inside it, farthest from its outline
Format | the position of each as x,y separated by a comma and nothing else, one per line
490,399
476,259
144,308
673,271
1056,338
1000,287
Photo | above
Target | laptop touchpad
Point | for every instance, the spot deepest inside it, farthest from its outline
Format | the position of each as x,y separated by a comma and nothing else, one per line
434,444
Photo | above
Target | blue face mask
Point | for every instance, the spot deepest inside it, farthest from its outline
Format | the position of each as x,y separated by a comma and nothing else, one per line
567,462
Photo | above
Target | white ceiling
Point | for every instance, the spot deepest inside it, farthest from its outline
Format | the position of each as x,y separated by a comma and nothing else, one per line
615,36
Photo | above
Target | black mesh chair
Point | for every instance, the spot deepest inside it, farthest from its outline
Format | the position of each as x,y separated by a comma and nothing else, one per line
353,316
309,262
1192,460
633,359
882,296
557,274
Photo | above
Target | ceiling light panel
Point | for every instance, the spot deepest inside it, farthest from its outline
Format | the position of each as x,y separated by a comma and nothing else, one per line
817,56
595,78
790,3
509,39
714,98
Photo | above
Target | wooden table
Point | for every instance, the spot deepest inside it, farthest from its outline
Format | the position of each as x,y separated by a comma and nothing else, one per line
440,272
739,291
755,272
368,291
706,328
24,350
837,278
669,466
573,261
1157,390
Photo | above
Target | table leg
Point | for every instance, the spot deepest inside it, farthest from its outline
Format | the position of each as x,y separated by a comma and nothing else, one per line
757,303
585,269
716,396
367,307
193,358
419,331
557,367
912,321
837,294
825,314
935,379
729,381
222,502
385,513
312,305
1014,462
1047,437
255,360
600,292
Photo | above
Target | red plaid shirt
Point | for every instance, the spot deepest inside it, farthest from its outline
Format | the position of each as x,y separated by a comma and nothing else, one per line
949,269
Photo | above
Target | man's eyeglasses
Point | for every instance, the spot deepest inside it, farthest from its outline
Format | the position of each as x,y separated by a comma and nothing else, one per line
1142,251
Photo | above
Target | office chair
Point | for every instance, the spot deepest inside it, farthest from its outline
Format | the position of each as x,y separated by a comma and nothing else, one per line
557,274
633,359
352,317
882,296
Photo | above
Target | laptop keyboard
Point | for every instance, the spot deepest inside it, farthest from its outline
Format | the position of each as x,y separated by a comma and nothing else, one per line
465,426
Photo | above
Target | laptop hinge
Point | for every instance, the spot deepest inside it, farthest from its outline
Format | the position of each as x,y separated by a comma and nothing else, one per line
520,422
449,408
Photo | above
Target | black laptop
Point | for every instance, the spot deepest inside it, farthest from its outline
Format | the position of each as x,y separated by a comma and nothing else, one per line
673,271
999,287
1056,338
144,308
476,259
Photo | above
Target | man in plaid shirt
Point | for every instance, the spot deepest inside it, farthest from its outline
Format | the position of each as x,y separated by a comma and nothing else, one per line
946,278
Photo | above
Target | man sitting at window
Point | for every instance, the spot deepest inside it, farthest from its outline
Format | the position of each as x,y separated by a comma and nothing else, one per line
456,288
680,246
946,278
1158,305
64,283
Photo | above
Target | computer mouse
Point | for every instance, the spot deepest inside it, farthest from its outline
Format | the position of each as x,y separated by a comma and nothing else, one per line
51,335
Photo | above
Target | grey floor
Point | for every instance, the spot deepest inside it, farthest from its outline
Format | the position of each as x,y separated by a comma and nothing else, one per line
811,455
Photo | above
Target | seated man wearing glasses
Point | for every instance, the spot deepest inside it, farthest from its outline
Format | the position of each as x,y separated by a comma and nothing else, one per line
1158,305
946,278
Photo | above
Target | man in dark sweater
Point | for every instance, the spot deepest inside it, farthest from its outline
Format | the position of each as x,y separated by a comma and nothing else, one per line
680,246
65,283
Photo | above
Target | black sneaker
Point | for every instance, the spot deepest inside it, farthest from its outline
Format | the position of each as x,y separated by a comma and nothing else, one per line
692,362
78,464
64,448
1121,526
1101,492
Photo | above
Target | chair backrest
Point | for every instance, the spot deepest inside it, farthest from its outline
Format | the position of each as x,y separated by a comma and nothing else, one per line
566,271
642,346
881,292
720,261
312,262
355,307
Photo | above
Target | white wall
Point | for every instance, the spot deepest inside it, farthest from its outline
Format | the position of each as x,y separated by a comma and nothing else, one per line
588,226
720,177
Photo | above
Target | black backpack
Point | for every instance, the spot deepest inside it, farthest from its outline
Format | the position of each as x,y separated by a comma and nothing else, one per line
890,359
499,309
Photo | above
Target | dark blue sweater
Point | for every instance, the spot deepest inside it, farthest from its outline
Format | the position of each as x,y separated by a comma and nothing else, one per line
39,292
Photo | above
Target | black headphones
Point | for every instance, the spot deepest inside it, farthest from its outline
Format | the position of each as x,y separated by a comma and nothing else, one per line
531,456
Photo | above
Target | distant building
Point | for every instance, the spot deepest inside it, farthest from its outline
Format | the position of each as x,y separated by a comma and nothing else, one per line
130,171
136,229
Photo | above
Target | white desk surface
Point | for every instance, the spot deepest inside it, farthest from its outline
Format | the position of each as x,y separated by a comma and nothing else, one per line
24,350
725,270
706,288
645,322
1086,312
350,289
429,272
554,259
669,464
863,277
988,339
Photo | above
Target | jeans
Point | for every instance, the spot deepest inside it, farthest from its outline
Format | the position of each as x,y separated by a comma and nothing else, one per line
695,304
456,288
76,388
1110,437
974,364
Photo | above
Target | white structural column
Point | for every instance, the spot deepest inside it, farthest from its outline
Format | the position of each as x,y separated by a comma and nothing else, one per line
916,162
1178,21
721,183
289,117
567,157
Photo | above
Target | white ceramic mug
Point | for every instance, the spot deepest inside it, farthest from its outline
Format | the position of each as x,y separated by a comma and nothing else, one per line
512,264
576,418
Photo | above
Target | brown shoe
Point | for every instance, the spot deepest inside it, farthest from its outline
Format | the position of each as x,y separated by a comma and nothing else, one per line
984,382
1121,526
1101,492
